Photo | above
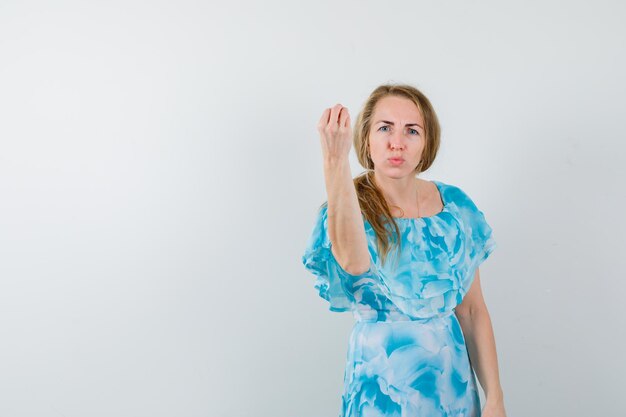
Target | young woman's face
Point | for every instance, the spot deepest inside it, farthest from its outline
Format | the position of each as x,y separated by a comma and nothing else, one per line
397,131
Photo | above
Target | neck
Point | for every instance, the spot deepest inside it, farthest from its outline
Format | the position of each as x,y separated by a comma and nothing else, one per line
398,191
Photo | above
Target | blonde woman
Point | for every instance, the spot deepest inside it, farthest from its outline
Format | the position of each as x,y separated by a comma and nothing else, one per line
402,254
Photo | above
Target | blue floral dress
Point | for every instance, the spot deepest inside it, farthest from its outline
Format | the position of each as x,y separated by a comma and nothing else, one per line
407,354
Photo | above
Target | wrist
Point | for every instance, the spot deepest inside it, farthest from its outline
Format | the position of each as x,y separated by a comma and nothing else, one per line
495,396
335,162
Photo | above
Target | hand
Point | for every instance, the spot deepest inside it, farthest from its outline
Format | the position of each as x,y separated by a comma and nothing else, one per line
493,409
335,132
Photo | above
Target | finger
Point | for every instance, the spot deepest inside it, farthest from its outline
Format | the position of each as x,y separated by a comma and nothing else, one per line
345,115
334,114
324,119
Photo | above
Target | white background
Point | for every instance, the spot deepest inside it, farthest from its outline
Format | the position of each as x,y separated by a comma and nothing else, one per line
160,173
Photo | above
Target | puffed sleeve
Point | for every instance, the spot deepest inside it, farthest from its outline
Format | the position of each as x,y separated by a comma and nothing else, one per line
481,239
333,283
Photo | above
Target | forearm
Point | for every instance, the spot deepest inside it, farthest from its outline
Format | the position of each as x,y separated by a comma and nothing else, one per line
345,222
481,346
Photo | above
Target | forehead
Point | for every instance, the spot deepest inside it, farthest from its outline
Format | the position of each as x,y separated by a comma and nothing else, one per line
395,107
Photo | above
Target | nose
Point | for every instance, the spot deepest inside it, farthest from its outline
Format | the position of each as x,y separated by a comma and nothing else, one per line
396,140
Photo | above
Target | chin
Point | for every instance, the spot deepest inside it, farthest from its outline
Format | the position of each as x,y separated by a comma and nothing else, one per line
397,173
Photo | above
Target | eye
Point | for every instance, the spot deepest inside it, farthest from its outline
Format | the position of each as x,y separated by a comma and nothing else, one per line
383,127
413,131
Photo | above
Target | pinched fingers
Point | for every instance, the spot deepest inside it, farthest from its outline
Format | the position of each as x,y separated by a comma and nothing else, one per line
335,131
334,115
333,119
344,119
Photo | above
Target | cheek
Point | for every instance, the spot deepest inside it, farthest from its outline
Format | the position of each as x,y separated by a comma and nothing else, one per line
418,145
376,151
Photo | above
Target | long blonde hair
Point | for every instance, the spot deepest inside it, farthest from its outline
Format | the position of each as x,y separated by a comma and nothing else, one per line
372,203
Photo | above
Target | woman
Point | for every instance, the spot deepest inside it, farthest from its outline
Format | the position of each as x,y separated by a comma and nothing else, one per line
402,254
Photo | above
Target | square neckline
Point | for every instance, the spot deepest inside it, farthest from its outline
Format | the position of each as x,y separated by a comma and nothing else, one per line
439,186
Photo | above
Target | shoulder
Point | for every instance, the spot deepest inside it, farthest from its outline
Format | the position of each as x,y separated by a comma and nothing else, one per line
454,195
462,205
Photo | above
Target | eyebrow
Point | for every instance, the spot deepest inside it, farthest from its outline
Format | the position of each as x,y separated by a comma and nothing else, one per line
392,123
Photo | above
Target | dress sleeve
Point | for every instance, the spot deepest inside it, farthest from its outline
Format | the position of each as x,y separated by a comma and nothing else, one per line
482,241
333,283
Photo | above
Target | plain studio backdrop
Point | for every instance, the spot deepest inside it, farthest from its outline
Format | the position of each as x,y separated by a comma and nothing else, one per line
160,172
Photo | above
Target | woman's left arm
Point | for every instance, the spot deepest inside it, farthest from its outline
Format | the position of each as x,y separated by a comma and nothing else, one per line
481,346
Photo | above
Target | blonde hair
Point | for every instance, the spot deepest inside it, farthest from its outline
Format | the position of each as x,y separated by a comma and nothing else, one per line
372,203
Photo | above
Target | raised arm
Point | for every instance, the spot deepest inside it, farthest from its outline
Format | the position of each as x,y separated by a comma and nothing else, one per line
346,230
